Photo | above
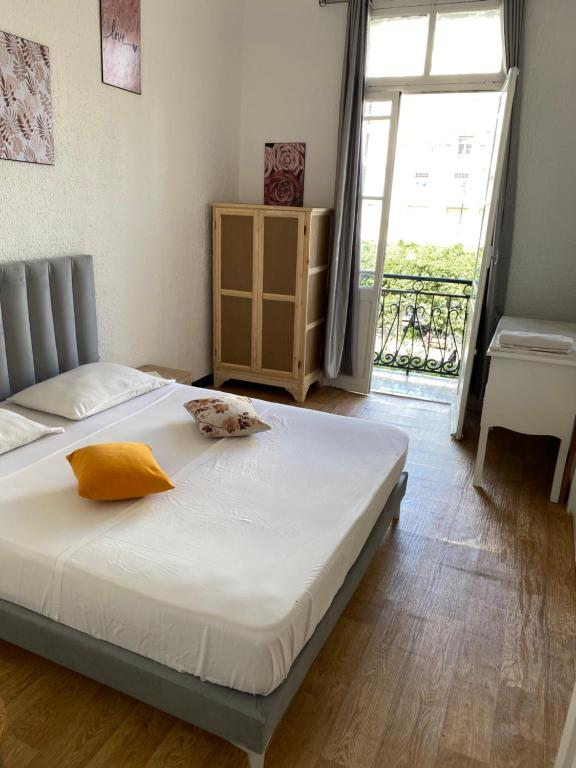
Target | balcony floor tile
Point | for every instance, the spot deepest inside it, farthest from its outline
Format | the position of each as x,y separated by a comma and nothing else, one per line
417,385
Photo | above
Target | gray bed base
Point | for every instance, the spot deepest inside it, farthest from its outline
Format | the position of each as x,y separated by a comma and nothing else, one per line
48,325
245,720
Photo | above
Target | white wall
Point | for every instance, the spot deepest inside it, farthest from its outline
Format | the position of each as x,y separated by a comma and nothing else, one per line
134,174
293,53
543,271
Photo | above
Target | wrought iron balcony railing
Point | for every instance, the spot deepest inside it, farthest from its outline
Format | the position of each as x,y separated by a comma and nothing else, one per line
421,322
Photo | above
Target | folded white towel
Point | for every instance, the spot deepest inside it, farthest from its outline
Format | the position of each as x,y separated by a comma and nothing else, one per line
536,342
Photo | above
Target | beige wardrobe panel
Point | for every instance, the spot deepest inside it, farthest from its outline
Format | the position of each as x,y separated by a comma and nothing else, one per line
317,289
314,348
320,233
237,252
236,333
280,254
278,335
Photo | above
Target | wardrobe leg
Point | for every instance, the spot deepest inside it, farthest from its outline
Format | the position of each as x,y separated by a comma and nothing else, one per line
219,380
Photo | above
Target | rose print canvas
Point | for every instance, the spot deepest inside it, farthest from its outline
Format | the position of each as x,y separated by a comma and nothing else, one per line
284,174
25,101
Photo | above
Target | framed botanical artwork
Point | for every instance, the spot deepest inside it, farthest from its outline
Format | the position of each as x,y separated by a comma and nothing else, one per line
25,101
121,54
284,173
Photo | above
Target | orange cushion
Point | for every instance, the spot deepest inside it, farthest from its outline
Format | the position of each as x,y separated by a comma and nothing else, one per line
116,471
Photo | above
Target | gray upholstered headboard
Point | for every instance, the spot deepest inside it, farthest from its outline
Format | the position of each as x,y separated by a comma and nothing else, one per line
47,320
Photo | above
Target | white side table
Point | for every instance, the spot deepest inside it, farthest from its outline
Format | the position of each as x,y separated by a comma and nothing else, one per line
530,392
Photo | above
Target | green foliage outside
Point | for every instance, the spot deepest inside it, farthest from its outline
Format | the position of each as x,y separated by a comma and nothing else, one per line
404,258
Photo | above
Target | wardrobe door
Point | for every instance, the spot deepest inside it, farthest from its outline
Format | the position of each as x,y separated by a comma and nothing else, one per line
234,286
281,254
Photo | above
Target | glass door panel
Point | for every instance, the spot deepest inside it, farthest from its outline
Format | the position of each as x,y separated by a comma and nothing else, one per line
378,145
375,151
484,255
370,226
441,167
375,145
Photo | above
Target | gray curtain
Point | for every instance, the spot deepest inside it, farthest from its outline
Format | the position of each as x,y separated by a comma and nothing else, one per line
339,354
495,296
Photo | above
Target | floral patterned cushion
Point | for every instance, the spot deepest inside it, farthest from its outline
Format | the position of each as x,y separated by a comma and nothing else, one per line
227,416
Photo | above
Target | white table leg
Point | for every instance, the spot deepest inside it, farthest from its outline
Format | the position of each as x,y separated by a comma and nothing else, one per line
480,455
255,760
559,471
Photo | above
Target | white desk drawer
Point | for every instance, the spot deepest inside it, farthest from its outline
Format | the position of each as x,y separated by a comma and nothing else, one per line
533,398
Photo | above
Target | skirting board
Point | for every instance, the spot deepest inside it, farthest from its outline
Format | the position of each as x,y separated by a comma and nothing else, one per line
241,718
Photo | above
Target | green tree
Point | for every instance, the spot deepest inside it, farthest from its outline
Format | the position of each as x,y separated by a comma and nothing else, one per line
404,258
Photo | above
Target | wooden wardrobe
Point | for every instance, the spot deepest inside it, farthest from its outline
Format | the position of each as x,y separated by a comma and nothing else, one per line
270,286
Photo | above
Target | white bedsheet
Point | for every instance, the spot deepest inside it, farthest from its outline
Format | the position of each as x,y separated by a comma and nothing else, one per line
227,576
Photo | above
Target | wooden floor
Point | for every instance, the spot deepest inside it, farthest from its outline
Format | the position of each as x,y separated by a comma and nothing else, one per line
457,651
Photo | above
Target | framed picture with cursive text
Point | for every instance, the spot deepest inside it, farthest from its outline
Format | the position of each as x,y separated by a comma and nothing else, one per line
284,173
120,29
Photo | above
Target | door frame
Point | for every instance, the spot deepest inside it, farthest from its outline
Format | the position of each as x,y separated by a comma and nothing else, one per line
361,383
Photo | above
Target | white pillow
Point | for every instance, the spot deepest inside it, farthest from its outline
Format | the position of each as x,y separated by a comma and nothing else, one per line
16,430
87,390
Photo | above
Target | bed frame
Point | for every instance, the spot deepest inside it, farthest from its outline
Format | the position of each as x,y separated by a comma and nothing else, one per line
58,328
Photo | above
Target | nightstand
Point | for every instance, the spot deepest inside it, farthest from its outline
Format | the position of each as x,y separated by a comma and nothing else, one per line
182,377
530,392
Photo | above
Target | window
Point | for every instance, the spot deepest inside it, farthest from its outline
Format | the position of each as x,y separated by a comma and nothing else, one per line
452,42
378,108
467,42
397,46
418,216
421,179
458,213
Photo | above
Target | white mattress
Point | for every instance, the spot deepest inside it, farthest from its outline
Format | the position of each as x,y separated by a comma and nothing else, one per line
227,576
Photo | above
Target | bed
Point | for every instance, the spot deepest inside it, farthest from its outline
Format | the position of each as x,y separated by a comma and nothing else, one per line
210,602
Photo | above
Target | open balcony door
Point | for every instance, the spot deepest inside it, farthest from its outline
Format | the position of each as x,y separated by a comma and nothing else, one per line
379,150
493,192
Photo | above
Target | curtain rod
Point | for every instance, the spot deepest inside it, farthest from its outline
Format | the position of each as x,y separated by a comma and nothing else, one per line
333,2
